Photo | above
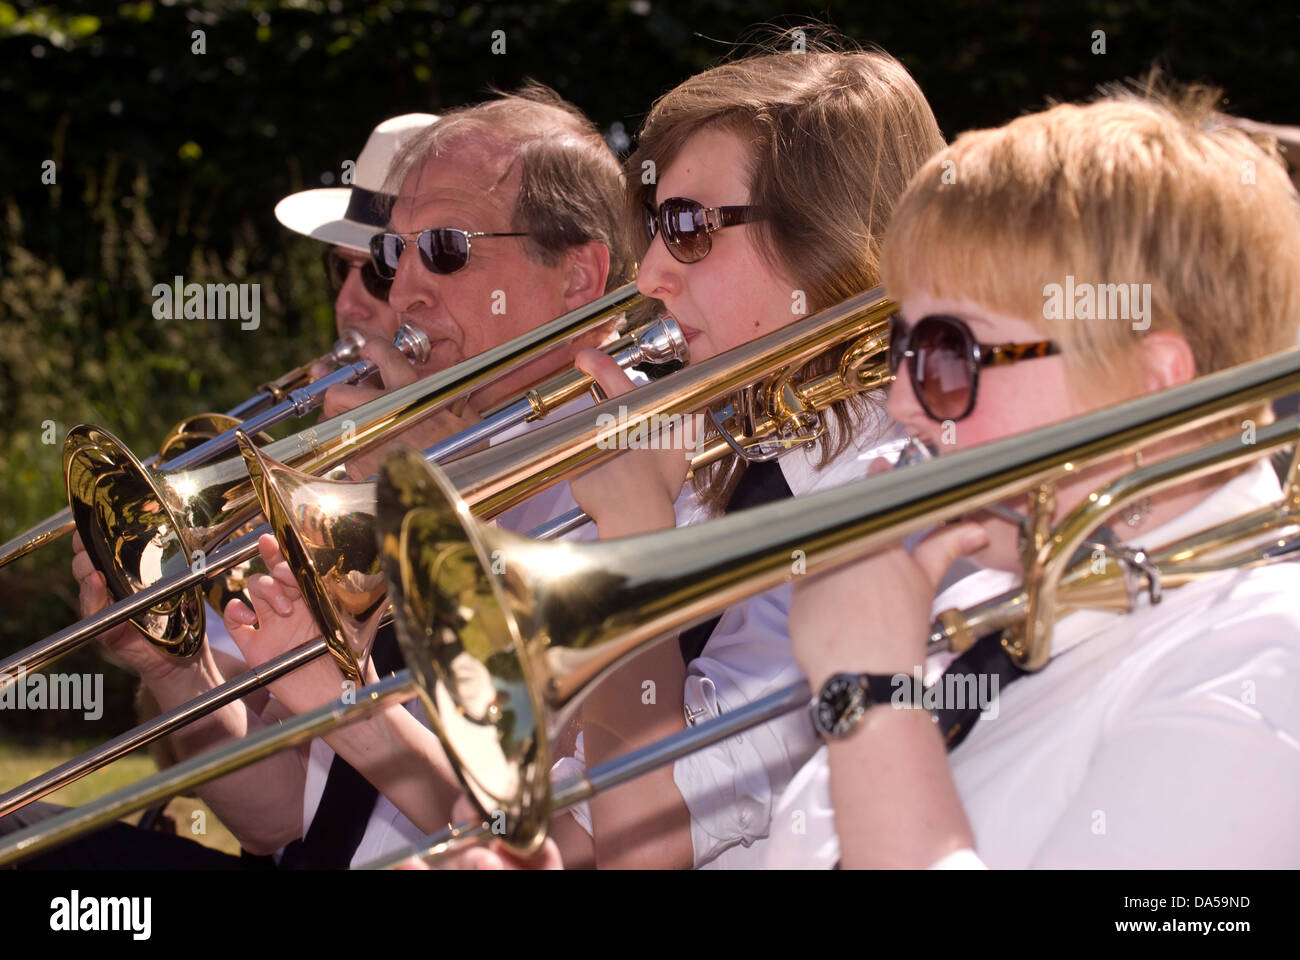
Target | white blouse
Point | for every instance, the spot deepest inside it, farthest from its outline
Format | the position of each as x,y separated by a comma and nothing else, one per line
1167,737
731,787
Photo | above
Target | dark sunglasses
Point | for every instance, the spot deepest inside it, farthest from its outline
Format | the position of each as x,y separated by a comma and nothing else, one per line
337,268
442,249
944,361
686,225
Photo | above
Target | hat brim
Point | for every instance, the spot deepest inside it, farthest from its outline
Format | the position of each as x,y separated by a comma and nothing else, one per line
319,214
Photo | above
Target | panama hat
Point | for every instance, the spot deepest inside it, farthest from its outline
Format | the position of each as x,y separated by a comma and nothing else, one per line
350,216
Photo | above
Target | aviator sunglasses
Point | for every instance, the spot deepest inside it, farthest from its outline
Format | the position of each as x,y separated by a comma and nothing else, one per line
944,361
686,225
442,249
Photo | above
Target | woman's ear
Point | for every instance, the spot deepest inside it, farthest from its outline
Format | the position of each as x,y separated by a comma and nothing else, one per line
1168,360
588,268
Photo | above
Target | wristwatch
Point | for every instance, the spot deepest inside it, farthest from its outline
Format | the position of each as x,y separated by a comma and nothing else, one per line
845,697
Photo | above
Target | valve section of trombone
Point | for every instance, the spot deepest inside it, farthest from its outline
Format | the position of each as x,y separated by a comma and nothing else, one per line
980,556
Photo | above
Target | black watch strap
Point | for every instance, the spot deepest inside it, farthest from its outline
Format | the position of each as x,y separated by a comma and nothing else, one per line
846,697
894,688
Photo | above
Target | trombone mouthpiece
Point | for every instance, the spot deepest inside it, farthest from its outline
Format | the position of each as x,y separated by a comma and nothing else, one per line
662,342
347,348
915,450
413,343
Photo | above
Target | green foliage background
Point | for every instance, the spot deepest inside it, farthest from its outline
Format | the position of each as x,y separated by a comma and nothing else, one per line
169,162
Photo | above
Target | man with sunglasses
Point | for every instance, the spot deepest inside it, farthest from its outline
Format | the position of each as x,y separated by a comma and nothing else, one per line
506,215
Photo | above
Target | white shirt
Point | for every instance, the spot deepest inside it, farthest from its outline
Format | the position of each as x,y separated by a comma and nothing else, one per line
1167,737
731,787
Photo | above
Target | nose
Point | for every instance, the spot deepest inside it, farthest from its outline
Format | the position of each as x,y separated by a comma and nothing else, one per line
413,286
660,275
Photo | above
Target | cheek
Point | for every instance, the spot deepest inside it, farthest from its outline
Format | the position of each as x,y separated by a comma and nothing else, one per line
485,308
1011,402
744,306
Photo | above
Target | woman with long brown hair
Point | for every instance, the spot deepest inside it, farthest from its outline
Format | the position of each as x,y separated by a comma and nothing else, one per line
762,189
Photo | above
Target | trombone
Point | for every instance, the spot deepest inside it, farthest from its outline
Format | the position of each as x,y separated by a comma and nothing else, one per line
141,526
203,436
326,528
502,658
219,495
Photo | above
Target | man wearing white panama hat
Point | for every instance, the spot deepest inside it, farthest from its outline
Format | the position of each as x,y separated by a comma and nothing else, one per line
347,217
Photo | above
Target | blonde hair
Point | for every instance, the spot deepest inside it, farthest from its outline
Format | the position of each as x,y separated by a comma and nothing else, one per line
1140,187
571,185
835,137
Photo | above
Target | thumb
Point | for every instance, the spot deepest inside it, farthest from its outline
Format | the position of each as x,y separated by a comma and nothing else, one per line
606,372
341,398
936,553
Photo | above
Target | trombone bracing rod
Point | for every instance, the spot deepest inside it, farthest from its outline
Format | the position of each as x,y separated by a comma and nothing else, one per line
553,619
1175,565
368,423
201,769
837,526
300,402
46,651
658,342
496,479
172,720
160,726
436,391
225,759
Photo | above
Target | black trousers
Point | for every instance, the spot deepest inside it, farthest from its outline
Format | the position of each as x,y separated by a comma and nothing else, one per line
123,847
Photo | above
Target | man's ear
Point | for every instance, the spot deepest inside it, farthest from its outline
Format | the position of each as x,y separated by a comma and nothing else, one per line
1168,360
588,268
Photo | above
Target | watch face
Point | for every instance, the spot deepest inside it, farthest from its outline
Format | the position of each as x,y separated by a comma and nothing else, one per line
840,706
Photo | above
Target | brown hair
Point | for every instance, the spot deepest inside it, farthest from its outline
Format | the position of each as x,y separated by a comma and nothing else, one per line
835,137
1141,187
571,186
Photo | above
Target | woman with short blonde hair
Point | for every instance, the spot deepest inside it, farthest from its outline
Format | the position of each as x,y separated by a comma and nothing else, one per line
1162,737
